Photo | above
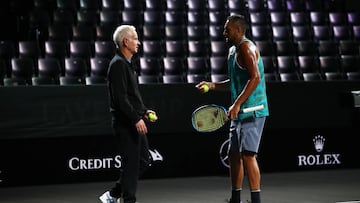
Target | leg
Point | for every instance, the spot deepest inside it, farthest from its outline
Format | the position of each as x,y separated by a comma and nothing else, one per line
236,170
236,163
129,148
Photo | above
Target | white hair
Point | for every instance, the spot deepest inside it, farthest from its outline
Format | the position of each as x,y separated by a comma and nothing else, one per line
121,33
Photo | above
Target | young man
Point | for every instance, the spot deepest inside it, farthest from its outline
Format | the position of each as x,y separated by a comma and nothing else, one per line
128,114
247,86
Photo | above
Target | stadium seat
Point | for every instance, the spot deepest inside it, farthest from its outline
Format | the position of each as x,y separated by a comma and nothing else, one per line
353,18
270,66
308,64
196,5
281,32
196,78
99,66
90,5
218,48
153,17
104,49
83,32
149,79
197,65
152,48
353,76
289,77
341,32
350,63
275,5
22,71
311,76
199,18
295,5
287,64
29,49
175,18
259,18
319,18
329,64
322,32
111,5
285,48
49,72
75,72
218,65
306,48
279,18
104,32
155,5
256,5
348,47
236,6
301,33
198,48
174,66
337,18
328,48
195,32
176,5
173,79
217,5
175,32
60,32
153,32
87,17
133,5
217,17
331,76
176,48
109,17
64,17
132,17
150,66
266,47
299,18
261,32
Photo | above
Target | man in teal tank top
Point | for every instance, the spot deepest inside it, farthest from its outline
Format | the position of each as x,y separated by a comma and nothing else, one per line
247,86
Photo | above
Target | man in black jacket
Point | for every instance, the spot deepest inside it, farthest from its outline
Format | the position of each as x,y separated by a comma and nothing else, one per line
128,116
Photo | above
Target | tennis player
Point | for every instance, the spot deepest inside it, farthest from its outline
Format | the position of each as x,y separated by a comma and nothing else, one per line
247,87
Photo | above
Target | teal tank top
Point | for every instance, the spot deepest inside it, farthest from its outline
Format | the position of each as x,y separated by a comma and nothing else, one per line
238,78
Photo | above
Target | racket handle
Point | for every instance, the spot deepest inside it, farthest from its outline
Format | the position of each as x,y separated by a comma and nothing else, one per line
251,109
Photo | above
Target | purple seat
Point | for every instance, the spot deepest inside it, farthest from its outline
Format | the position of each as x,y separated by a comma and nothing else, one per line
281,32
261,32
266,47
275,5
299,18
259,18
279,18
308,64
287,64
353,18
256,5
301,32
319,18
295,5
337,18
341,32
322,32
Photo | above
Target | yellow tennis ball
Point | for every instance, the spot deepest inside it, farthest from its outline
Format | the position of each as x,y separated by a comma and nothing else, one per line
152,117
206,88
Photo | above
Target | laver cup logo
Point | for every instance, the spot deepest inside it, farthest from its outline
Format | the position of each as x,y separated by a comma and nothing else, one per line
320,159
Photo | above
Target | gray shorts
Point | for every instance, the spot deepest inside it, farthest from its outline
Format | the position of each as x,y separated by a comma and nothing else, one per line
245,135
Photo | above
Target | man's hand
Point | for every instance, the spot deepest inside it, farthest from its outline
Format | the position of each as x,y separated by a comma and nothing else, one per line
141,127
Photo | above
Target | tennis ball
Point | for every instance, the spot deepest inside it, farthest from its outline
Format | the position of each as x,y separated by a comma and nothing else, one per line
152,117
206,88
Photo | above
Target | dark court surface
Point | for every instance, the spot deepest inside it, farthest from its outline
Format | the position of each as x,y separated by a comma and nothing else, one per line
321,186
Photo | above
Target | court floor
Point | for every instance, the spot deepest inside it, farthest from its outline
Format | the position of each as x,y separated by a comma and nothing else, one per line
324,186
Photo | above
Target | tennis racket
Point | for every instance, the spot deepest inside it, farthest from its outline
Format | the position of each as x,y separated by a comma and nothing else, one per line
211,117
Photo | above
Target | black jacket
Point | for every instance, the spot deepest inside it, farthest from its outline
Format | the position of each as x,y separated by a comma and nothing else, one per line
126,104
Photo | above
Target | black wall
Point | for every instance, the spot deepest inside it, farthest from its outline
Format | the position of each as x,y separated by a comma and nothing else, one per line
44,128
